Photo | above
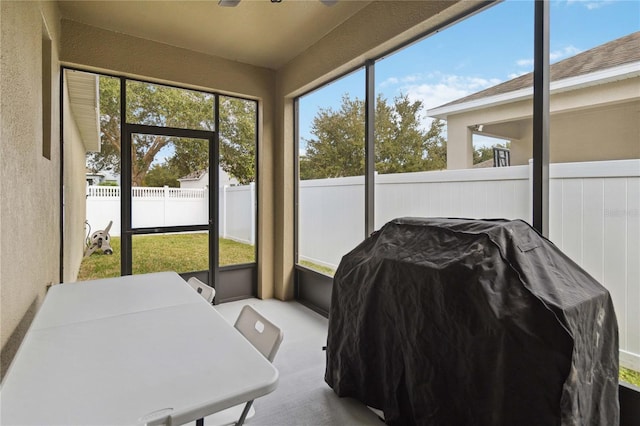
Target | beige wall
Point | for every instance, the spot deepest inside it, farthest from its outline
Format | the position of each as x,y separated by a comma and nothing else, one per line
29,182
376,29
106,51
74,193
590,124
608,133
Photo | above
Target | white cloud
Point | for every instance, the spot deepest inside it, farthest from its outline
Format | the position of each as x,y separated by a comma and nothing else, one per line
524,62
435,88
554,56
404,80
391,81
517,74
590,4
565,52
411,78
433,95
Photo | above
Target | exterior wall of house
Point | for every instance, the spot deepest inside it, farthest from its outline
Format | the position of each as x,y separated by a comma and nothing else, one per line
595,123
607,133
224,180
459,154
29,182
195,183
100,50
459,147
75,190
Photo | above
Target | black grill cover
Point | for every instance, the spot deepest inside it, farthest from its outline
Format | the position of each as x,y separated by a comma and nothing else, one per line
472,322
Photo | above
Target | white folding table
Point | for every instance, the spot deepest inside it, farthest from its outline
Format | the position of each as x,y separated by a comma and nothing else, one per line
142,349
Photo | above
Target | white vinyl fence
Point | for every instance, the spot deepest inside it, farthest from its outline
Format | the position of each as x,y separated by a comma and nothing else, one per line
154,207
594,217
238,213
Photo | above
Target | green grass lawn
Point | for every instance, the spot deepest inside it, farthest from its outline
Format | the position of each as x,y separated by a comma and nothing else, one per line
322,269
630,376
175,252
188,252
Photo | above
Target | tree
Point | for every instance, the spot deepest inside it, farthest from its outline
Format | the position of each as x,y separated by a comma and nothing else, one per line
190,155
238,138
161,175
163,106
485,153
401,144
339,148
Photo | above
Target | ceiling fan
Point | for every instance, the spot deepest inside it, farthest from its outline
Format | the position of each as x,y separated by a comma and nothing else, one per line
234,3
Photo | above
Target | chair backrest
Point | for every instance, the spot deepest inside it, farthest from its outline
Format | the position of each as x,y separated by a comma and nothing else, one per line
262,333
205,291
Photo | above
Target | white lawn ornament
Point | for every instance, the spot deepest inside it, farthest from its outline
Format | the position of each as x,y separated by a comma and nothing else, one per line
99,240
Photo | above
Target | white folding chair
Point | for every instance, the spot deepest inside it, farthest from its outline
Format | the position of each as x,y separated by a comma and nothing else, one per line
266,338
204,290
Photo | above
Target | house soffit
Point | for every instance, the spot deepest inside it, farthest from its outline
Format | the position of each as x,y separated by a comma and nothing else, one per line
84,102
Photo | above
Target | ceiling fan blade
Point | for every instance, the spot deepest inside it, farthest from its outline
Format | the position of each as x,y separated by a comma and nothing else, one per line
234,3
228,3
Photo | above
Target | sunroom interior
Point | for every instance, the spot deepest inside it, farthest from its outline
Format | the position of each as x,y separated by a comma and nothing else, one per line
277,58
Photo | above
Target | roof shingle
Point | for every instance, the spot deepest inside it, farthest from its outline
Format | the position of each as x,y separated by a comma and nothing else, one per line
621,51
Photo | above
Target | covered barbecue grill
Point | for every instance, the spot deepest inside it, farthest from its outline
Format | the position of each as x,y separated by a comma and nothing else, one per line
472,322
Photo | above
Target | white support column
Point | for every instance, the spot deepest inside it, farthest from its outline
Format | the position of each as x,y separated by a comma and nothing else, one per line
223,212
165,204
252,187
459,145
529,217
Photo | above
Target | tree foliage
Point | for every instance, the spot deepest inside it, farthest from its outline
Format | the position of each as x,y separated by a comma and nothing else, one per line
161,175
338,149
401,143
164,106
238,119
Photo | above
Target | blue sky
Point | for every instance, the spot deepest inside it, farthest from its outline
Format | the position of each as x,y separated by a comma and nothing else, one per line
490,47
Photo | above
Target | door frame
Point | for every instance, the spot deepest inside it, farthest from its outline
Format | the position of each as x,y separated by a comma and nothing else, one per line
232,282
128,231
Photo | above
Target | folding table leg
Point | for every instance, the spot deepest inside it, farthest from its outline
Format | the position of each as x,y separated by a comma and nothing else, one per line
244,413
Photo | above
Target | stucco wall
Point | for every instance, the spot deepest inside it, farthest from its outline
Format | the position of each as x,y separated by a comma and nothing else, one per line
100,50
29,182
74,194
608,133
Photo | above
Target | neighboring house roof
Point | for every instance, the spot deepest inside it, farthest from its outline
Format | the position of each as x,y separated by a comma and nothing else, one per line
622,55
197,175
224,178
483,165
88,171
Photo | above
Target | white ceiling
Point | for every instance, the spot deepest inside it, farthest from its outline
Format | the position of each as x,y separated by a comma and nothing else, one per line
256,32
